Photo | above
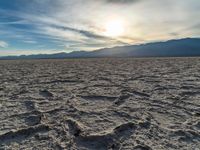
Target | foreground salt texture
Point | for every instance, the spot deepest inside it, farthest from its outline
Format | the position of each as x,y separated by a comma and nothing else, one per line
136,104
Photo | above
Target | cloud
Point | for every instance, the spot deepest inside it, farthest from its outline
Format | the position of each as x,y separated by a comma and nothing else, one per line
85,33
80,24
123,1
83,39
3,44
30,41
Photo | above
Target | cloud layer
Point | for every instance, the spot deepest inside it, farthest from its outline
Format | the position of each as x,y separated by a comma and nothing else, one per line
49,25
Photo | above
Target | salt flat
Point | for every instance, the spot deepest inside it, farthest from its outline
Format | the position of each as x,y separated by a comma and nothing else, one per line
100,104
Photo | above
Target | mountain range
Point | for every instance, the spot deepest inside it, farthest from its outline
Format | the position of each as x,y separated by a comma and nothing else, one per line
172,48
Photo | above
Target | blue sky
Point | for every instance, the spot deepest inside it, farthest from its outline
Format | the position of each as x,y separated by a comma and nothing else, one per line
51,26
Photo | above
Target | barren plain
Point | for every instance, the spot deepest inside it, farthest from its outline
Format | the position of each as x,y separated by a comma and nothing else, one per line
100,104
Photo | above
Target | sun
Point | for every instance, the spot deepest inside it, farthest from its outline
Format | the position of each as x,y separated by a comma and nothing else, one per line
114,28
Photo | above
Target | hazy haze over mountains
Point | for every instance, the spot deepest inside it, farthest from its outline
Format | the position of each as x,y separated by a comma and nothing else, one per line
171,48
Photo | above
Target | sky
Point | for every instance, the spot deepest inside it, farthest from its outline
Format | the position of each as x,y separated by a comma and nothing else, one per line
52,26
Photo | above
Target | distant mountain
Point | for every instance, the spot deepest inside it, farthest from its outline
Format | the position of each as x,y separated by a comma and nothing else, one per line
171,48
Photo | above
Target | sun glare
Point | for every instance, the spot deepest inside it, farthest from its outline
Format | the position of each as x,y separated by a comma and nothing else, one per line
114,28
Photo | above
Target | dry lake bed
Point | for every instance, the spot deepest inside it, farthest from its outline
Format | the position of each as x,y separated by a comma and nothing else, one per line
100,104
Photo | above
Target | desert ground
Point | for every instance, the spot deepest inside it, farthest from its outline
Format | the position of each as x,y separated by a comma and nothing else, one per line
100,104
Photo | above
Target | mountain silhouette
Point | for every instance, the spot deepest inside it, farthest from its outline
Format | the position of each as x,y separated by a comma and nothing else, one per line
172,48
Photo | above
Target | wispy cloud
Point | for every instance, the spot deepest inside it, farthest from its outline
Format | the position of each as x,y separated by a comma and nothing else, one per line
123,1
30,41
3,44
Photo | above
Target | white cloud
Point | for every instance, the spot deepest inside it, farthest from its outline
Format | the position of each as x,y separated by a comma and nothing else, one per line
3,44
30,41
